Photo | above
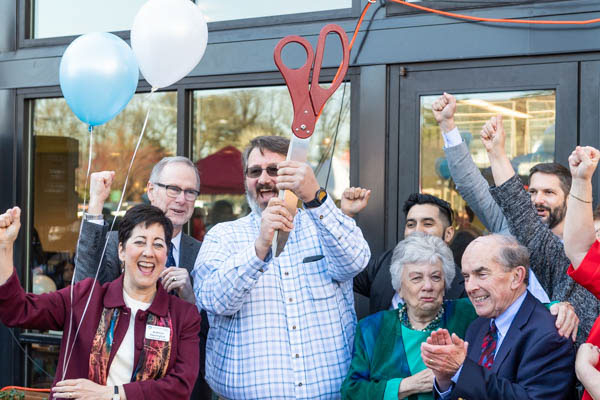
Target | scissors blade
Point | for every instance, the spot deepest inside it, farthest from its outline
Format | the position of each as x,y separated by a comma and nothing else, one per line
298,151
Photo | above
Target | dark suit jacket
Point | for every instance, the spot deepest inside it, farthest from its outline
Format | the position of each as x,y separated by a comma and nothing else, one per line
533,362
375,282
89,250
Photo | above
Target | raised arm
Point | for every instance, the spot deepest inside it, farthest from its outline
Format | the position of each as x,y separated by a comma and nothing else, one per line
493,138
579,234
17,308
548,260
588,356
10,223
94,236
471,185
354,200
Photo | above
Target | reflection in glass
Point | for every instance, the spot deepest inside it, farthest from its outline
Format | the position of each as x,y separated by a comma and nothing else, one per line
41,373
225,121
52,18
60,159
239,9
528,117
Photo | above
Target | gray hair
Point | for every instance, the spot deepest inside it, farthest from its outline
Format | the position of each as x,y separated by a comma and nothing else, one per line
421,248
511,253
159,166
276,144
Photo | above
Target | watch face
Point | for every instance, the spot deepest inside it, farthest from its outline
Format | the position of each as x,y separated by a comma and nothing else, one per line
321,195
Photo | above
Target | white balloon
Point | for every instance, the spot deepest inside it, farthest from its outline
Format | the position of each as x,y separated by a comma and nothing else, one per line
168,38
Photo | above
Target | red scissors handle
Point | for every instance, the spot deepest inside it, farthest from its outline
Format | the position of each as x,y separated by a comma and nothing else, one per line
297,83
319,95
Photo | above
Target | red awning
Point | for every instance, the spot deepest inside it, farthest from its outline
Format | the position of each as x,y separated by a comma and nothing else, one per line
221,172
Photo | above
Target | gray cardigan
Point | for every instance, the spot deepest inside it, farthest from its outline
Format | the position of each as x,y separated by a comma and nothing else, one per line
548,258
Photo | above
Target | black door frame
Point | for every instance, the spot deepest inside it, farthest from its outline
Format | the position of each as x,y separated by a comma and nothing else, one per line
408,83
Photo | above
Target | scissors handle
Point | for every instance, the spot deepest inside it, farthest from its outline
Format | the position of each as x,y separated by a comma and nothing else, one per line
319,95
297,83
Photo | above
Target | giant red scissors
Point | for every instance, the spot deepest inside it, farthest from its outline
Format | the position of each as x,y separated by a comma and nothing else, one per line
308,99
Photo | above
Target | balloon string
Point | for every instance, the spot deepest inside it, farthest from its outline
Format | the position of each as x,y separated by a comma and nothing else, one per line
87,176
149,97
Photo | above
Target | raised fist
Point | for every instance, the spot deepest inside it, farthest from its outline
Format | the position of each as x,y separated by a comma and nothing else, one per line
10,223
354,200
492,135
100,183
583,162
443,111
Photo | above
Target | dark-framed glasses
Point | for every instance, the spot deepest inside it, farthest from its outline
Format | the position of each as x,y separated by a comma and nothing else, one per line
174,191
256,171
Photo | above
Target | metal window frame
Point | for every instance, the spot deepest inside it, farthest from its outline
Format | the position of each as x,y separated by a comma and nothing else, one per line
26,12
507,75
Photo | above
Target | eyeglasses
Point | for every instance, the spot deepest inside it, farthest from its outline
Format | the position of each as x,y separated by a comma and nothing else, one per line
174,191
256,171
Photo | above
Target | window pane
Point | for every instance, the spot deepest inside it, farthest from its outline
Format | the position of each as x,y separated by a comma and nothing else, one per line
226,120
53,18
60,159
41,374
240,9
528,117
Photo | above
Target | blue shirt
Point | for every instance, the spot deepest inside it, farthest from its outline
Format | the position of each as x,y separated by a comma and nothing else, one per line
281,329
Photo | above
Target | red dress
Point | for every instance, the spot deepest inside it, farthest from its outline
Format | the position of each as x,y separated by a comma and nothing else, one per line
588,276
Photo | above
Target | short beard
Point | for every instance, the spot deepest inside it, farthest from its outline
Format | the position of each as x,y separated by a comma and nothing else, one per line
253,204
556,216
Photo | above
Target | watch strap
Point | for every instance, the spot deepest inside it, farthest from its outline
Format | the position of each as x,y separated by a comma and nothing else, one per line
320,197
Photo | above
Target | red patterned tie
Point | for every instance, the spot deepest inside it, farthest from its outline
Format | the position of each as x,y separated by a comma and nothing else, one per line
488,347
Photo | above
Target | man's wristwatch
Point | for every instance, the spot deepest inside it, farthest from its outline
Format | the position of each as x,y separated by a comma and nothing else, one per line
319,199
116,395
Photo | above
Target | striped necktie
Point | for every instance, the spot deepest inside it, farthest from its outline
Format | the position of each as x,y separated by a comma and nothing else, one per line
488,347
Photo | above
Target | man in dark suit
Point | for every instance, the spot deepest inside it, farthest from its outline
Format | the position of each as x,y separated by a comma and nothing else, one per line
424,213
513,350
173,187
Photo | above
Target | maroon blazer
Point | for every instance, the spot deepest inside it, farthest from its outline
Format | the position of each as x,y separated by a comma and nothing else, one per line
51,311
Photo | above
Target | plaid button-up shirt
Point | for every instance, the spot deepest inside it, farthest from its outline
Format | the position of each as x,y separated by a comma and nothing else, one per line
281,328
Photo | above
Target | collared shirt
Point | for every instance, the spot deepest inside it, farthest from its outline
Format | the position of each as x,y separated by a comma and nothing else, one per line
281,329
503,322
396,301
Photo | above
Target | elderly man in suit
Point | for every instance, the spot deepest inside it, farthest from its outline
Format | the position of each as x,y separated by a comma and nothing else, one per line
173,187
513,350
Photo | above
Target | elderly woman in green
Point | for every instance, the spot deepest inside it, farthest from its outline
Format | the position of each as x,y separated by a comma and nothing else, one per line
387,360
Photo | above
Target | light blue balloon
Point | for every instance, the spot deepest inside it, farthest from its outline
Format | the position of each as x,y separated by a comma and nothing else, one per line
98,76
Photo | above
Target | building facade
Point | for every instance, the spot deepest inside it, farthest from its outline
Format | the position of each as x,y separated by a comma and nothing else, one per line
377,131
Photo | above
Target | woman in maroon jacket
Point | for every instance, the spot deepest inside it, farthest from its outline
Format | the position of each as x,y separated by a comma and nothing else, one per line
135,342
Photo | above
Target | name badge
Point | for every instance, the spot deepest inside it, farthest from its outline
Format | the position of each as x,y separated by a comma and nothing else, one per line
161,333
